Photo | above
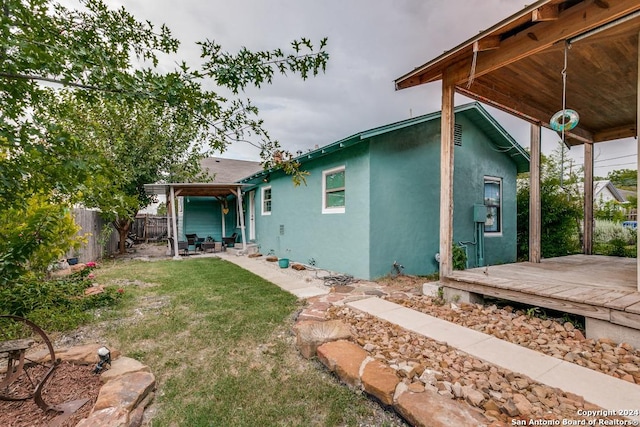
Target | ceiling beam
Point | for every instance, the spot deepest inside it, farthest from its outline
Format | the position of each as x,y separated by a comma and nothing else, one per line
547,12
487,43
527,112
570,23
615,133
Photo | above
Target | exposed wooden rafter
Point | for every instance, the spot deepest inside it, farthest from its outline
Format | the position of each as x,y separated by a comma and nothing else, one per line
548,12
575,21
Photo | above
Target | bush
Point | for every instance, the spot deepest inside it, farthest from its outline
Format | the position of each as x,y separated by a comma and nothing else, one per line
459,258
605,231
54,305
32,236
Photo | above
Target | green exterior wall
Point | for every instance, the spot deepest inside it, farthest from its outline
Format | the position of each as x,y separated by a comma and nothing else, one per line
298,230
392,198
405,197
203,216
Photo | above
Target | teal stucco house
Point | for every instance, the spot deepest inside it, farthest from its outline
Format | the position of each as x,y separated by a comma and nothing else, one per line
372,199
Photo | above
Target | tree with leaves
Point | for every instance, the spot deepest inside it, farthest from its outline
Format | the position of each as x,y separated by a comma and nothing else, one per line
561,203
53,58
626,179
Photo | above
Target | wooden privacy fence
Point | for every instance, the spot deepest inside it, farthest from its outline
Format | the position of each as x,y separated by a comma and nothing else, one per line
150,227
98,244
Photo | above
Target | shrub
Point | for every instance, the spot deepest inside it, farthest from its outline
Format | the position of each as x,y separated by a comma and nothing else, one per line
459,258
54,305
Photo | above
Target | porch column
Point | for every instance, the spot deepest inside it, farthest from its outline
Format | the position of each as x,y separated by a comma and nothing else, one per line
535,210
174,223
241,213
588,199
224,231
638,161
168,201
446,176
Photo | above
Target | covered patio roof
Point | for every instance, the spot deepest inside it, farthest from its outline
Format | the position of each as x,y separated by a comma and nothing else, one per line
195,189
218,190
516,66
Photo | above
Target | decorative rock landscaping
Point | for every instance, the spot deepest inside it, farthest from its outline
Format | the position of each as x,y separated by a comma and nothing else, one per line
432,384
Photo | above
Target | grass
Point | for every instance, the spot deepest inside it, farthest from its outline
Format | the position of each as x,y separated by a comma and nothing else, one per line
218,340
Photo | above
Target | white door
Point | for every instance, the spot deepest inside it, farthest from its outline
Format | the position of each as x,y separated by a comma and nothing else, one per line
252,215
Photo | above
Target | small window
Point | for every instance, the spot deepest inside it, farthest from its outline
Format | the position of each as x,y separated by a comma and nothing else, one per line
493,202
266,200
333,190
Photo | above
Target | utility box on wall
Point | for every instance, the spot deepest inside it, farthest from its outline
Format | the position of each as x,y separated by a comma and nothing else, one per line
479,213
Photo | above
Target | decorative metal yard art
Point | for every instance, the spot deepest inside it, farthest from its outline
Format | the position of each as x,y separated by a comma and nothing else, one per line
27,364
565,119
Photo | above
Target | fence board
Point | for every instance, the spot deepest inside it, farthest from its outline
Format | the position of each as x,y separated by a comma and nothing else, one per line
150,227
91,226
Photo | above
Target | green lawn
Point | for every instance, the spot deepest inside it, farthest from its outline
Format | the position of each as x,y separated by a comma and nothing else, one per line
218,339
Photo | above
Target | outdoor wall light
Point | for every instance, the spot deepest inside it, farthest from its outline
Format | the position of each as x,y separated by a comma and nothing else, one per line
104,355
266,178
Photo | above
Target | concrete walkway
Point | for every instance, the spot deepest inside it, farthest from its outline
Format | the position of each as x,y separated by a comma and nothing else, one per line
287,279
600,389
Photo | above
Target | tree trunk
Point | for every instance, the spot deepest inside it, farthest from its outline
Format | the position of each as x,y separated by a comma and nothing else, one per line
122,225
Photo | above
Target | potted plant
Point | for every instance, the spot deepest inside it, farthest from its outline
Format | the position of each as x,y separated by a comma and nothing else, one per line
74,259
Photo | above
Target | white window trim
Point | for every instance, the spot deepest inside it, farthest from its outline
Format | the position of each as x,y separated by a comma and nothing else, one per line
501,207
331,210
262,191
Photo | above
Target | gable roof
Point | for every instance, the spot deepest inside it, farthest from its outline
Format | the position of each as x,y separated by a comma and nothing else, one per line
228,170
598,186
473,111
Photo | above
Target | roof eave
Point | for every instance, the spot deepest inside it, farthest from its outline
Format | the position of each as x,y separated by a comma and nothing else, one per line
436,66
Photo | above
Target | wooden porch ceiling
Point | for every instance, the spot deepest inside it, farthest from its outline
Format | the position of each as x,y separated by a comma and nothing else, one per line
195,189
519,64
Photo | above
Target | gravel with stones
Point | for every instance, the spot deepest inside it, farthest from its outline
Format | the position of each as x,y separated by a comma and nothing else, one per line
502,395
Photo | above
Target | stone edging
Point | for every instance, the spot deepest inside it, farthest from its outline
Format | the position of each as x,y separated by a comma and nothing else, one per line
328,340
128,388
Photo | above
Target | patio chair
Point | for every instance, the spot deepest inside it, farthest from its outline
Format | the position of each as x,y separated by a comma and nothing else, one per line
183,247
230,241
194,241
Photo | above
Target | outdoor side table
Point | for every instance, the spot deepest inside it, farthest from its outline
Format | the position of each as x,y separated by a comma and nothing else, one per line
205,246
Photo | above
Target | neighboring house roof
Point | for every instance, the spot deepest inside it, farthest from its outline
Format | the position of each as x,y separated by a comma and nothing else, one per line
473,111
601,186
603,189
627,193
228,170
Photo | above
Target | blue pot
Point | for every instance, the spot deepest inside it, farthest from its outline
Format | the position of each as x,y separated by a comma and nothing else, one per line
283,262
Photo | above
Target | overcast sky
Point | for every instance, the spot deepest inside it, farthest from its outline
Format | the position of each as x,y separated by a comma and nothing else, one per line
371,43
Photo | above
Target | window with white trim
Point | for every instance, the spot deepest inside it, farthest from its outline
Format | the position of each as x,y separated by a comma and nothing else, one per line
333,190
493,202
266,200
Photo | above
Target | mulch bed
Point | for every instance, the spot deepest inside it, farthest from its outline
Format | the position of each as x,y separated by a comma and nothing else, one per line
69,382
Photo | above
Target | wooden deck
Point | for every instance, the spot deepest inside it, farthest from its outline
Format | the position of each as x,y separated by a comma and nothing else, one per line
593,286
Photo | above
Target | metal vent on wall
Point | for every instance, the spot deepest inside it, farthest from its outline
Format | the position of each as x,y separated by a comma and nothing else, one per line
457,134
282,230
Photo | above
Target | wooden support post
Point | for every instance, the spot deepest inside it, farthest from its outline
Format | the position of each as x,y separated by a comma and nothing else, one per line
446,177
588,199
168,203
241,213
638,161
223,225
535,210
174,223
